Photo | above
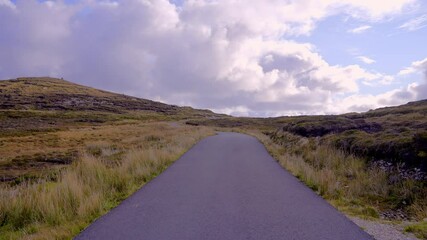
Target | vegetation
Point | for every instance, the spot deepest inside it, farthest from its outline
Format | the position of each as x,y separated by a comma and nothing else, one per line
69,153
420,229
107,171
395,134
57,94
372,165
45,122
349,181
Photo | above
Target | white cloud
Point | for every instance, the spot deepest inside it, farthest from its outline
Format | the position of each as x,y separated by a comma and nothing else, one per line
360,29
375,10
417,66
420,65
225,55
366,60
7,3
417,88
415,24
242,111
407,71
364,102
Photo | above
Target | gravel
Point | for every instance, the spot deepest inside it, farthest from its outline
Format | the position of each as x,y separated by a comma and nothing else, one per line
382,231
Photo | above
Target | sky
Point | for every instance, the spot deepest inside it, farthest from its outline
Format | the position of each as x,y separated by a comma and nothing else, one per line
240,57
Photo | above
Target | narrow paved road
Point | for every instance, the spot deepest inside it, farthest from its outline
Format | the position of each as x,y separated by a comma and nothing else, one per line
225,187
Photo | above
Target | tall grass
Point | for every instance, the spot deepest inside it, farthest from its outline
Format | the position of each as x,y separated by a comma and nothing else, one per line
346,181
91,186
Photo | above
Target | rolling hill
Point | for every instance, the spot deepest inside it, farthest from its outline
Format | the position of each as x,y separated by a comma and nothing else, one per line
396,135
58,94
99,147
37,104
45,122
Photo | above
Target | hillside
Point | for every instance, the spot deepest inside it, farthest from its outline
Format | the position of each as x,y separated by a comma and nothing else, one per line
71,153
396,135
46,122
57,94
372,164
38,104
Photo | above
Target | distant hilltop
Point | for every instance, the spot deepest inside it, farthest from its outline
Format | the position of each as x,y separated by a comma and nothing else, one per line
46,93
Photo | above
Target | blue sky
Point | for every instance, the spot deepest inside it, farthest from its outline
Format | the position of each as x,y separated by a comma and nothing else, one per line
266,58
390,46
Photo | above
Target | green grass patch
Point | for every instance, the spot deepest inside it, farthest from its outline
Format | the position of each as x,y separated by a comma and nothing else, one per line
419,229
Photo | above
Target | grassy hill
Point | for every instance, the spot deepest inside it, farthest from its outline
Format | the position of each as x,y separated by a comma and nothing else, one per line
40,118
39,104
371,165
70,153
58,94
396,135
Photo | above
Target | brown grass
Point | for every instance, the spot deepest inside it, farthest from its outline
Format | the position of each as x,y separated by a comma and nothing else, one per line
107,171
346,181
31,155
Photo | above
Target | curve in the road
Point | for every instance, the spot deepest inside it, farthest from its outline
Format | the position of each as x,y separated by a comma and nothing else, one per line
226,187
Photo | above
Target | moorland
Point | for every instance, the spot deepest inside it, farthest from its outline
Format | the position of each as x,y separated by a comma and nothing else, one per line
70,153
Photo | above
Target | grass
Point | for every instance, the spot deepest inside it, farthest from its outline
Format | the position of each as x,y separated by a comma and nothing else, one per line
396,134
420,229
44,93
105,173
346,181
69,153
30,154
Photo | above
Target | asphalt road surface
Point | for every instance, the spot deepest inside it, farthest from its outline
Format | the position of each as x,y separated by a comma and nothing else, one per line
226,187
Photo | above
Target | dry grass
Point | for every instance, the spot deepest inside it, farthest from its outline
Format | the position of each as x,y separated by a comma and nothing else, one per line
32,155
346,181
46,85
107,171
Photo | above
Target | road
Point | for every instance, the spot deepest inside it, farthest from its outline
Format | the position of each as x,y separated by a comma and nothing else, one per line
226,187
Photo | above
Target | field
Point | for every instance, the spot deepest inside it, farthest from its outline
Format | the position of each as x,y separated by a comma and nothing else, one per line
56,200
70,153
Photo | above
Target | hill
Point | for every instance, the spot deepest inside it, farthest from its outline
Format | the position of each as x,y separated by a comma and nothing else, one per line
396,135
58,94
45,123
38,104
69,153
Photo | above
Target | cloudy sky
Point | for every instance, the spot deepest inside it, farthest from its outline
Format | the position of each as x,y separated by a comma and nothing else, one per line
240,57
